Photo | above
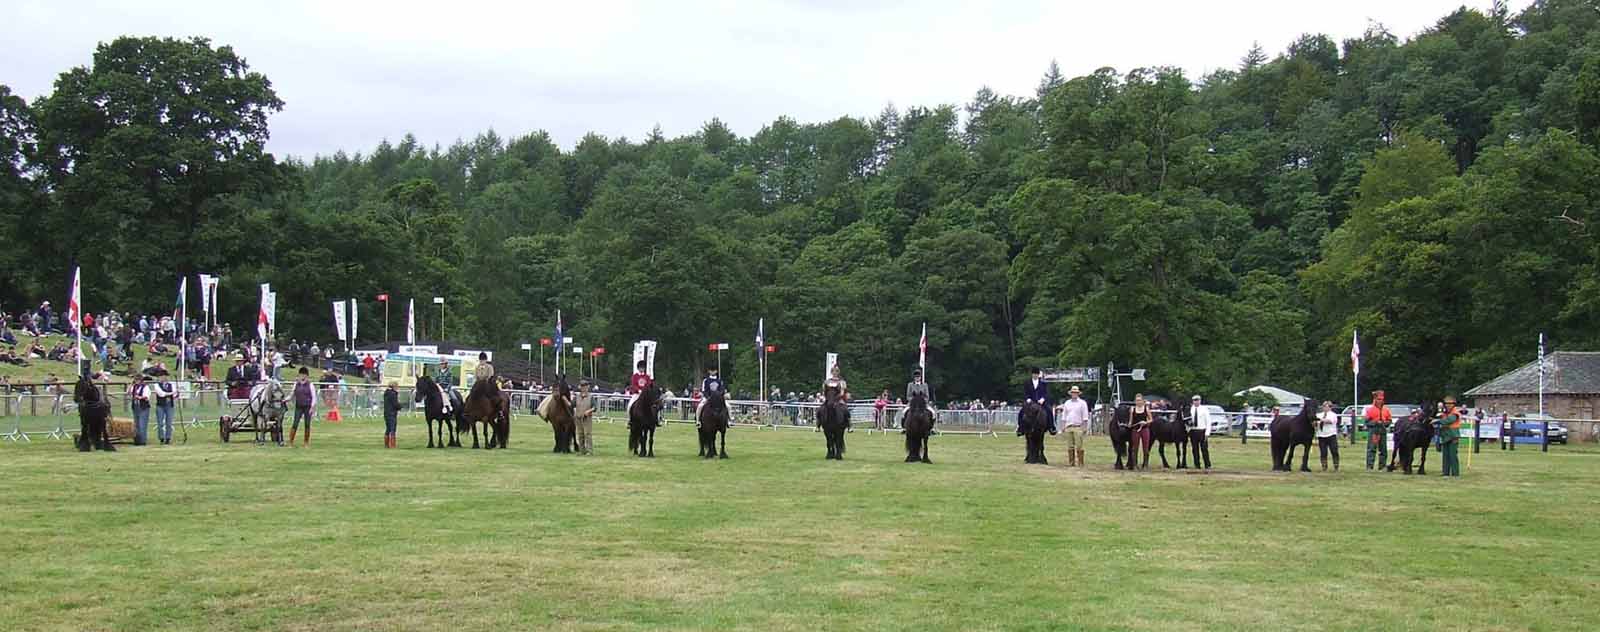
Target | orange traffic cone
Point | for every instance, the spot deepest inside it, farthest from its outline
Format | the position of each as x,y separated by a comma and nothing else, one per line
333,414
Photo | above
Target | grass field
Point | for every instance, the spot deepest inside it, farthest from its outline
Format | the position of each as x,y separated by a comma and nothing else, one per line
349,536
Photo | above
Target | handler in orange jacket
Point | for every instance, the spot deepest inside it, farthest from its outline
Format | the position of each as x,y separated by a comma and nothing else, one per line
1378,422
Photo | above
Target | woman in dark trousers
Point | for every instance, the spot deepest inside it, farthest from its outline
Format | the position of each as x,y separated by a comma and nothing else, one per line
305,401
1328,435
391,411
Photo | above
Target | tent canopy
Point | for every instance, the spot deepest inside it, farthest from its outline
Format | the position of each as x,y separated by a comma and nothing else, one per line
1283,397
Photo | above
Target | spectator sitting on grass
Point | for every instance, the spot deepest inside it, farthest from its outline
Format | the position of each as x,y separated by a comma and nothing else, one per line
6,336
153,369
9,356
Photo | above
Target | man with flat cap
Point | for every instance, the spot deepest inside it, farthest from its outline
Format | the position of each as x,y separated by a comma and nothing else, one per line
1450,437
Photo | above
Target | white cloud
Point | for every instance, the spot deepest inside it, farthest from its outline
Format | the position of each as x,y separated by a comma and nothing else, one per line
352,73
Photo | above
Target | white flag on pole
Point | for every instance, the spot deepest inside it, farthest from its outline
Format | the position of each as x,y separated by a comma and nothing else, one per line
205,293
215,297
272,312
827,368
338,320
1541,359
411,321
353,320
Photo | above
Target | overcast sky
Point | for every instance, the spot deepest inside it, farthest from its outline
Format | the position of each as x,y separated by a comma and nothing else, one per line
354,73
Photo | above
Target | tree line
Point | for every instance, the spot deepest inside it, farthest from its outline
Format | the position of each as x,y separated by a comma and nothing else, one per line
1220,231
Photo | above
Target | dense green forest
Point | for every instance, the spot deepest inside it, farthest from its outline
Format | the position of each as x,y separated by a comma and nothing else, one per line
1220,231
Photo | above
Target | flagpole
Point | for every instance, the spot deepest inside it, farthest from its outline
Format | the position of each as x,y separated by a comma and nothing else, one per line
1355,383
183,332
1541,374
76,312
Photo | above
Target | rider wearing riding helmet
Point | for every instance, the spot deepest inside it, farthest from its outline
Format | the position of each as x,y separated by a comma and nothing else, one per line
1038,392
836,378
918,386
638,383
484,382
711,384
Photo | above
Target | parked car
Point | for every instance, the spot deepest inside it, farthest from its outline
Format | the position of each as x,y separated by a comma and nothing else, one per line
1220,423
1558,431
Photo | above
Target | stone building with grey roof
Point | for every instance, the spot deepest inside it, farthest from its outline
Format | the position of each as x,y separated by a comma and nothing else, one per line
1571,387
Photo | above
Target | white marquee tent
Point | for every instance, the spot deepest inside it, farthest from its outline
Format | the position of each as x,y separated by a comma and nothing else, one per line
1284,397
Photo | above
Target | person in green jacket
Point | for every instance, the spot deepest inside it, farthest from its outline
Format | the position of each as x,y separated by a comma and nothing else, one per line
1450,437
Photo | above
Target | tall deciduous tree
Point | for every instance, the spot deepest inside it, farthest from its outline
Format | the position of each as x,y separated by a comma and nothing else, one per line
151,141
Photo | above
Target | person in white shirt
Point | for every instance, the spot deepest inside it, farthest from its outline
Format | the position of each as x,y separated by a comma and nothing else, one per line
165,395
1200,431
1073,415
1328,435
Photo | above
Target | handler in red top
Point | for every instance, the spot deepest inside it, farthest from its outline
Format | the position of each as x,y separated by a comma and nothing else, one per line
638,383
1378,422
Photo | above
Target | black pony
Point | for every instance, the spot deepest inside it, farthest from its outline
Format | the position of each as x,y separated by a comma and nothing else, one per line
1171,428
1121,432
1415,431
643,418
93,415
834,419
433,409
1289,431
1033,425
918,426
713,420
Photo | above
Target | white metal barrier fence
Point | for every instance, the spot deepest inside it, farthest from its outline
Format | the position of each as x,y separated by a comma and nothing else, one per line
28,415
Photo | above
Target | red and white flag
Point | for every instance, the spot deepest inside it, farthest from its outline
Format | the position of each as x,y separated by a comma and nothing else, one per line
262,319
1355,353
74,306
922,349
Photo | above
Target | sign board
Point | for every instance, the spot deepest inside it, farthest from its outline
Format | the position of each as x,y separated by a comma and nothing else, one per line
645,351
472,353
418,349
1071,374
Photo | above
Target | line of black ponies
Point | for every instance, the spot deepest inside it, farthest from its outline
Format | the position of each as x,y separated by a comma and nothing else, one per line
1288,432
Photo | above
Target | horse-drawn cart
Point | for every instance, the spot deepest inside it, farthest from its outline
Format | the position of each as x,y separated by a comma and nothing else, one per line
261,413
